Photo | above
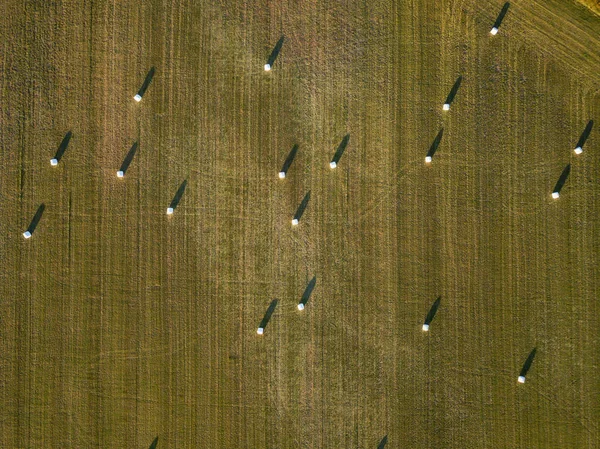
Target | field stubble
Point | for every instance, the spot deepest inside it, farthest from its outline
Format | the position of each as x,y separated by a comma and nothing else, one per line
119,323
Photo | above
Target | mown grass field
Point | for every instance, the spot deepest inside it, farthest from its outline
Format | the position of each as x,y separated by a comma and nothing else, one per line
594,5
119,323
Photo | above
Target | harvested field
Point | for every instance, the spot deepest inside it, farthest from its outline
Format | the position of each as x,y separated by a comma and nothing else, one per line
594,5
119,323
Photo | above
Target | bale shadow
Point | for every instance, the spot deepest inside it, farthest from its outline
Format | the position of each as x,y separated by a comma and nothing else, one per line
500,17
63,146
341,148
268,314
147,82
308,291
275,51
154,443
129,158
528,362
433,310
178,195
36,218
454,90
563,178
289,159
302,206
382,443
585,134
436,143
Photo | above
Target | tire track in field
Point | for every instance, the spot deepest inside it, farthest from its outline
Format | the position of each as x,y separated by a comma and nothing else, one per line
561,31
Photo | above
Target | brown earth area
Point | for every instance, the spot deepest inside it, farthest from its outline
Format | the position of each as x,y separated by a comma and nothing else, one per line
119,323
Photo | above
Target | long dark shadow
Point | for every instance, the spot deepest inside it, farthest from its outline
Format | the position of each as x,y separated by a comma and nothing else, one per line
63,146
308,291
528,362
36,218
275,51
147,82
341,148
302,206
503,12
585,134
454,90
433,310
289,159
382,443
563,178
128,158
268,313
436,143
154,443
178,195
